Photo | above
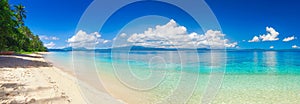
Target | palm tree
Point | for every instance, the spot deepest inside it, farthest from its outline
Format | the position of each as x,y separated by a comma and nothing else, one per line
20,14
7,25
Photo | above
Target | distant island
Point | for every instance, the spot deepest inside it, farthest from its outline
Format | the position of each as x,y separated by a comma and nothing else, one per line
141,48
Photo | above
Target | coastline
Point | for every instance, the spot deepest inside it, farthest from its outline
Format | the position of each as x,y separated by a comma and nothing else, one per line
30,79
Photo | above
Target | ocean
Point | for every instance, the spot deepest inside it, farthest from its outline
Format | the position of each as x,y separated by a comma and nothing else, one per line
187,76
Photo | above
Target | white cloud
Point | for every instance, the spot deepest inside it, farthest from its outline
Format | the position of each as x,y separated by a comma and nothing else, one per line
295,46
105,41
255,39
231,45
123,35
272,35
171,35
271,47
83,39
289,39
43,37
49,45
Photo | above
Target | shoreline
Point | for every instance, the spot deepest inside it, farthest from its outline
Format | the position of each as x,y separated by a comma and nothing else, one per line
31,79
236,88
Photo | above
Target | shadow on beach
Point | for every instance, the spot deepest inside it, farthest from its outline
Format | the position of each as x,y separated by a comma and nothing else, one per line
14,62
13,91
4,95
19,89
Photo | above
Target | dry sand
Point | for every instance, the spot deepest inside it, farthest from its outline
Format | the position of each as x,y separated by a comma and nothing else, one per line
30,79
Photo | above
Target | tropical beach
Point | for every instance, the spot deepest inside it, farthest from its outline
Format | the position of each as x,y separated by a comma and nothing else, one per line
30,79
149,52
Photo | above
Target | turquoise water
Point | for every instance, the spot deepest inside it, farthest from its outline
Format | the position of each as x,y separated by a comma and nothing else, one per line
233,62
234,76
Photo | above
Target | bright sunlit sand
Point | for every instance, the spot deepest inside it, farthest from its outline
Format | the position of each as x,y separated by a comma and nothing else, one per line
29,79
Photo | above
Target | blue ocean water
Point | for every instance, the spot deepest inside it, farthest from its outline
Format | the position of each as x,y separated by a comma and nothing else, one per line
232,61
253,76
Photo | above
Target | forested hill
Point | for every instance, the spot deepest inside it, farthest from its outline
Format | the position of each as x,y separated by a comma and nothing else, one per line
14,34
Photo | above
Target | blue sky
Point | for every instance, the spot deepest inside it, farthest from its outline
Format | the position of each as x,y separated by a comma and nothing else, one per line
239,19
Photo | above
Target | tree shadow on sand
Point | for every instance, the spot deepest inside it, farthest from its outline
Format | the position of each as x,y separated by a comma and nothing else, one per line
4,95
9,89
18,89
14,62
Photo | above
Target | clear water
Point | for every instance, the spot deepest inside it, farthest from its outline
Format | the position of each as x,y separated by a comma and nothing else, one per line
236,76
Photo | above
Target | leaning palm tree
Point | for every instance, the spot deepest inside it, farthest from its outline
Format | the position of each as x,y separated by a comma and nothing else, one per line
20,14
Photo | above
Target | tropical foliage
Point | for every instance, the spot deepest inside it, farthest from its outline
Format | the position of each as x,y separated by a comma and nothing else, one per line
14,35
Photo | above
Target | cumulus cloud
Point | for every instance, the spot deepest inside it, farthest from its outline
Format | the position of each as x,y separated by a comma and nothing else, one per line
254,39
83,39
171,35
289,39
272,35
231,45
49,45
43,37
295,46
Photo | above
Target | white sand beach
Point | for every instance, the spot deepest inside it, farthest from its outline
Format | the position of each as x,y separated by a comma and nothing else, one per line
30,79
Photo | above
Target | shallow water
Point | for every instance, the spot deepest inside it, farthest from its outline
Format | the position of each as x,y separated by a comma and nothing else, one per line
236,76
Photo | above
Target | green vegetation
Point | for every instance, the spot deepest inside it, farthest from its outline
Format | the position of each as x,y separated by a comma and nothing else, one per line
14,35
